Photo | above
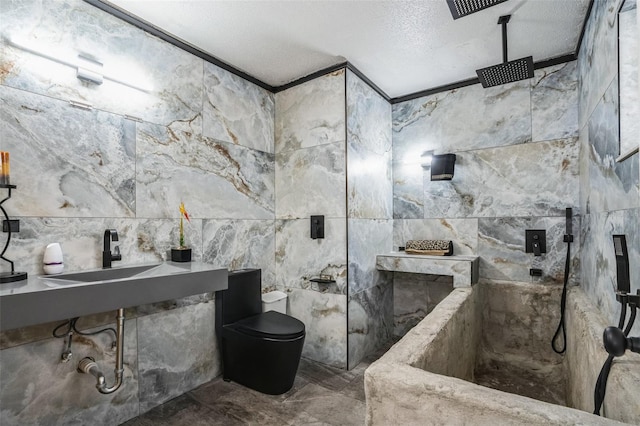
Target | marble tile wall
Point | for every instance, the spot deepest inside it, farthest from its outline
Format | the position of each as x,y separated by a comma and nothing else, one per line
177,352
195,133
370,219
310,179
415,296
37,388
171,77
517,168
610,190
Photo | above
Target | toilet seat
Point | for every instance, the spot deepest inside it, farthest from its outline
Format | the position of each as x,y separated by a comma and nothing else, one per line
272,325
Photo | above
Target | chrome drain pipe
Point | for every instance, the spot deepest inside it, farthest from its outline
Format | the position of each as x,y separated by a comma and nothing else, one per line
88,365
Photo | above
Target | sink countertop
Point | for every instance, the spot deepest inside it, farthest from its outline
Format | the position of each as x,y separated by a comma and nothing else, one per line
37,283
46,298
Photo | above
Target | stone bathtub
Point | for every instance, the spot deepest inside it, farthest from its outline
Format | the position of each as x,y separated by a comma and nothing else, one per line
498,335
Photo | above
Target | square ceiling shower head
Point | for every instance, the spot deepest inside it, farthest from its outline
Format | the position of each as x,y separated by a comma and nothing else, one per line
460,8
506,72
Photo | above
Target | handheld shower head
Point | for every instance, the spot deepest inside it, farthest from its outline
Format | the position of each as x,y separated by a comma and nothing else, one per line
507,71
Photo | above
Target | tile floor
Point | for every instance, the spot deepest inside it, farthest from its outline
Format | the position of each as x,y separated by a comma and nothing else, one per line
321,395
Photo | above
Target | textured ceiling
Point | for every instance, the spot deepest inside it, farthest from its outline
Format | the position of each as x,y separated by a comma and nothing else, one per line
402,46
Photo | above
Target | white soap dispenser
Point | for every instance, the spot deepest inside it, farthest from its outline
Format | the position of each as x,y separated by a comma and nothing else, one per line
53,263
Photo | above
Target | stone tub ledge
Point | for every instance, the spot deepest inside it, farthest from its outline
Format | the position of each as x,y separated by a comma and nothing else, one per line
463,269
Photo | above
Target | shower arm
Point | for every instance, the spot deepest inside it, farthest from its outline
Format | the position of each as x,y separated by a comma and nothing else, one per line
503,20
504,40
88,365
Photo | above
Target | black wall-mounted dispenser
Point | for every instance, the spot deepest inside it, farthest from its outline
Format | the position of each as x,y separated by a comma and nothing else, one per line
442,166
317,227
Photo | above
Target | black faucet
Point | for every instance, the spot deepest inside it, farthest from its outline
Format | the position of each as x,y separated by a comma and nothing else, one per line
107,256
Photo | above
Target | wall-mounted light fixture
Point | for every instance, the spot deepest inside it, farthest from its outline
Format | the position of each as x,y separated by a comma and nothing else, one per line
88,67
442,166
425,159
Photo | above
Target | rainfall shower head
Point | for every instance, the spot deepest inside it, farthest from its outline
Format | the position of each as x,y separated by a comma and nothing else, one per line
508,71
460,8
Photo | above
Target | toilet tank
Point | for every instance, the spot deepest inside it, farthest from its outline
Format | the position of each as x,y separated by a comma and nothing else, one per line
274,301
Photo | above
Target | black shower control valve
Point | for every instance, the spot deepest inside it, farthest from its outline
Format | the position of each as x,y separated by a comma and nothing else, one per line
534,272
536,241
317,227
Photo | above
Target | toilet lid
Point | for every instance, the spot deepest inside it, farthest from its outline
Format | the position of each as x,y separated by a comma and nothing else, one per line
271,324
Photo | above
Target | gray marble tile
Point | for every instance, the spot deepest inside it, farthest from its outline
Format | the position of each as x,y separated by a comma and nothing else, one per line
369,183
512,184
311,181
177,351
368,117
81,240
463,233
168,305
237,111
151,240
328,406
585,161
92,176
21,336
370,320
628,59
172,77
325,320
237,244
415,296
212,179
37,388
408,190
612,185
501,247
366,239
462,119
599,276
554,102
311,114
597,59
299,258
241,405
332,378
183,410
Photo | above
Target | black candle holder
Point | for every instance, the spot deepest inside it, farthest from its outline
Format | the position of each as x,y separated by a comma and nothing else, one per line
9,226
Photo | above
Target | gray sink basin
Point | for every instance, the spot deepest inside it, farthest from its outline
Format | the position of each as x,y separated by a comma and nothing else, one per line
49,298
104,274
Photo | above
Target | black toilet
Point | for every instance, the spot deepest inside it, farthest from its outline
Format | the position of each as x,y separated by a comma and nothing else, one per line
259,350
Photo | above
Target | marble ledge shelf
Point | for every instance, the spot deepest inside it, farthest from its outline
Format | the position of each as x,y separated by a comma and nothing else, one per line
463,269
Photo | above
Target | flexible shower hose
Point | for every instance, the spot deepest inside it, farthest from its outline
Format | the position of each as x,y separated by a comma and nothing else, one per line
601,384
563,302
